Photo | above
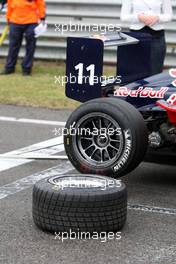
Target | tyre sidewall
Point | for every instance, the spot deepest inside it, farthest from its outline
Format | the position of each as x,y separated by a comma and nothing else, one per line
129,134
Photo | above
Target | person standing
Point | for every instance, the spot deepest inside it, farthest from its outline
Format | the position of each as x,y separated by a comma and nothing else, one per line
3,3
23,16
148,16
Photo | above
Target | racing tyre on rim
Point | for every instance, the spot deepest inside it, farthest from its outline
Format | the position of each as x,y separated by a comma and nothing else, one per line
86,203
106,136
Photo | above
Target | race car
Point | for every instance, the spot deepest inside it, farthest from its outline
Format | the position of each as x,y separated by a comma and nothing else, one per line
121,118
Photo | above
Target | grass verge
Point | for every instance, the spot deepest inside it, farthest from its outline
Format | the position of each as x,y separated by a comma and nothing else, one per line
39,90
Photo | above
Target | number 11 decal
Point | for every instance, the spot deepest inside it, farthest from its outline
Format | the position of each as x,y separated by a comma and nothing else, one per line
90,68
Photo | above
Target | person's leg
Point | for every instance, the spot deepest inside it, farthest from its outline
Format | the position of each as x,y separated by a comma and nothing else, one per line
15,38
30,48
158,54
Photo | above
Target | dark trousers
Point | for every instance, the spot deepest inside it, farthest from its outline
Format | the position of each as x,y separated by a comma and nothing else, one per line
158,54
17,31
158,49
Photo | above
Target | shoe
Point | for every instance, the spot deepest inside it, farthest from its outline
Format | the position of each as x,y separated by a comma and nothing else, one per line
7,72
25,73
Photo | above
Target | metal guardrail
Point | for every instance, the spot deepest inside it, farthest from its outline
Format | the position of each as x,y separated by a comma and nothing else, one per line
52,45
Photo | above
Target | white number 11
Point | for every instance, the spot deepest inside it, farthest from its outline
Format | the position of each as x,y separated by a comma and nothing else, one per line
90,68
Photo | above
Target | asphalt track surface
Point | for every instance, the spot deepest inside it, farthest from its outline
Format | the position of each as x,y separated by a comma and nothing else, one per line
148,237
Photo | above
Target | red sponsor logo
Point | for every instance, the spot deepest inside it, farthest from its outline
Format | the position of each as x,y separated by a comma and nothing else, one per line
172,73
141,92
172,99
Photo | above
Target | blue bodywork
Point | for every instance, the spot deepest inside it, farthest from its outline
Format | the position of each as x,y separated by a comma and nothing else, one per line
85,57
156,82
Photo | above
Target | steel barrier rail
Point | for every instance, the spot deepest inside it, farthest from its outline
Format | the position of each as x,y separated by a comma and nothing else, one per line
52,45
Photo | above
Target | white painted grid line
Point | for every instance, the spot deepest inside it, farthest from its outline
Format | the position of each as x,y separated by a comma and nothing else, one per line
31,121
24,183
47,147
152,209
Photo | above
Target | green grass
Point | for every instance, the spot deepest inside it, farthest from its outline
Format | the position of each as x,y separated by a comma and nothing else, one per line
39,90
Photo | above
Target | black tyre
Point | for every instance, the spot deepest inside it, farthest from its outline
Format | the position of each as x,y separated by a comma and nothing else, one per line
79,202
112,155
